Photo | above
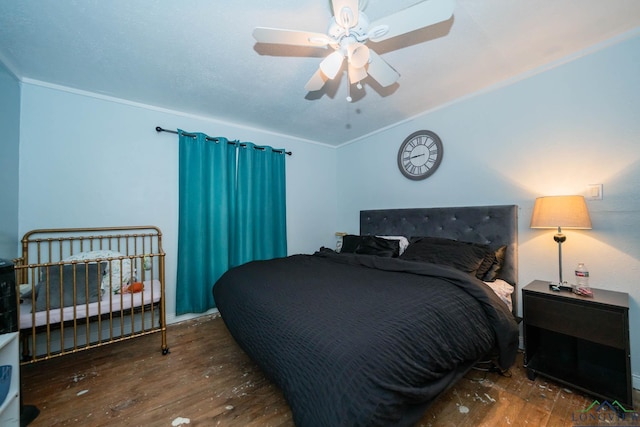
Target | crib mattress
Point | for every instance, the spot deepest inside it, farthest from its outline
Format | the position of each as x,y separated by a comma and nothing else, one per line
107,304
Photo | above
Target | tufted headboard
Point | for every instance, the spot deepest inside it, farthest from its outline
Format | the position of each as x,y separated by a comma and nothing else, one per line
490,225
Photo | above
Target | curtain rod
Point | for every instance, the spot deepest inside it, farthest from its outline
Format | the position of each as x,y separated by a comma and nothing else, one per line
208,138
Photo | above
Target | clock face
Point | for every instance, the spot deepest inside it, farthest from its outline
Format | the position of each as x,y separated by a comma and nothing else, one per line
420,155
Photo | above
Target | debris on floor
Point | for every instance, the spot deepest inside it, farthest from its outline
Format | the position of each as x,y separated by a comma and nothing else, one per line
180,421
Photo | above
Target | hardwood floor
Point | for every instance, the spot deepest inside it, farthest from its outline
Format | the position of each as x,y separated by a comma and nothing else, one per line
208,381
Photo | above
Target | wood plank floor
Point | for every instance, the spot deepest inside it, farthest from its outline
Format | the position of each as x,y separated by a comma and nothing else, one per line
208,381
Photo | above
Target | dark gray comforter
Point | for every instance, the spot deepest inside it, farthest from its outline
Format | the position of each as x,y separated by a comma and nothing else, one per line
359,340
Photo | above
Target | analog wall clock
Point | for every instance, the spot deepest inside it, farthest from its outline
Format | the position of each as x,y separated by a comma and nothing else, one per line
420,155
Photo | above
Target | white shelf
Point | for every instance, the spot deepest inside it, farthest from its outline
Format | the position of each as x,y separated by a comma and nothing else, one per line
9,355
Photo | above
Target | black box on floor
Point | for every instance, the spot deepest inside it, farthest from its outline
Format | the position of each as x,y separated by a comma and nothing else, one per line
8,298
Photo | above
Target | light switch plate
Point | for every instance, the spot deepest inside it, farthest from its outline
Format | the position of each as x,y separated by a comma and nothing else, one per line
594,192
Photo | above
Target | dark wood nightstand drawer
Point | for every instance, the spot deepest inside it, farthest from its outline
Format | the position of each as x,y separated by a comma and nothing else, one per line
599,324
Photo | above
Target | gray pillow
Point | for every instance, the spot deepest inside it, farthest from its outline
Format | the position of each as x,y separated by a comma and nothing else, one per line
85,274
370,245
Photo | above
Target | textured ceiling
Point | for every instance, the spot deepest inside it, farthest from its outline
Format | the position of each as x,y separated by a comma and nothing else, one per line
199,56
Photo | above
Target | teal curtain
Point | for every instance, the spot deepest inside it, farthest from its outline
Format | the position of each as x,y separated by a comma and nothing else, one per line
232,209
259,229
206,169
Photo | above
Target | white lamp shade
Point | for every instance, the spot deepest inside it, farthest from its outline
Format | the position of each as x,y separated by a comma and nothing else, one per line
332,64
358,54
356,74
560,211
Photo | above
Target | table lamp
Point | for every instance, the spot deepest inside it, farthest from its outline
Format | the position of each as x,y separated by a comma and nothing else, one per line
560,211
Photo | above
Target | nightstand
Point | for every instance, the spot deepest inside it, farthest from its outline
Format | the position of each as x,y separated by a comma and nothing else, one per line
582,342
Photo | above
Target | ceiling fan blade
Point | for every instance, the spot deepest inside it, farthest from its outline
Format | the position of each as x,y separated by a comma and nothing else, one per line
421,15
381,71
346,12
356,74
316,82
332,64
291,37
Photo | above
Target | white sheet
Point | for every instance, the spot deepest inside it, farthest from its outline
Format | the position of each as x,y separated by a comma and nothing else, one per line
151,293
503,290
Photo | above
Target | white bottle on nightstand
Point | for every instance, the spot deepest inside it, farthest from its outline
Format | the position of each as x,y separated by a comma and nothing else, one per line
582,276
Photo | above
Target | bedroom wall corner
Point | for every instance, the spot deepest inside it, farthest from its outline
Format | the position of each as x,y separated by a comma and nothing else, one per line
9,161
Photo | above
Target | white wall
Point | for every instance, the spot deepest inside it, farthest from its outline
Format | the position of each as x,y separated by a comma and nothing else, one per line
551,134
9,143
92,161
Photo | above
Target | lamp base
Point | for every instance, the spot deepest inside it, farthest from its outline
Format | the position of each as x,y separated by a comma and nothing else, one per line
557,287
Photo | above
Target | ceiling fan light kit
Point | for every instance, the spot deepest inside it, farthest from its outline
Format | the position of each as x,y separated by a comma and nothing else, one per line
348,32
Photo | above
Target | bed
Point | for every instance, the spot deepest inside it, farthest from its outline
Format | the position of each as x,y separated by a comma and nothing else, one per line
81,288
369,337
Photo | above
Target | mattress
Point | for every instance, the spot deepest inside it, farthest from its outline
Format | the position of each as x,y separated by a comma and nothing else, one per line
114,303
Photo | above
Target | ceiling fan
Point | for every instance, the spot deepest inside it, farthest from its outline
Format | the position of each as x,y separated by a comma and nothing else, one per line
348,32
